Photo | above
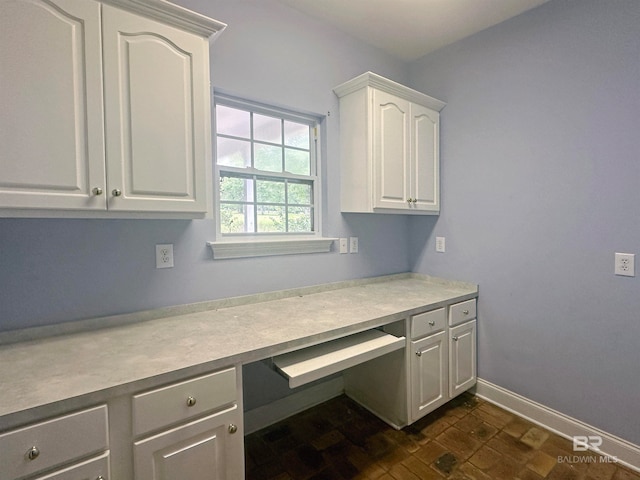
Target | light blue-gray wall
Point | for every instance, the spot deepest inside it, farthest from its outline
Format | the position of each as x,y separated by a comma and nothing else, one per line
540,186
56,270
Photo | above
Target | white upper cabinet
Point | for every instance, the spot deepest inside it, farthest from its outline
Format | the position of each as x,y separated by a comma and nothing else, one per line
105,108
51,117
389,145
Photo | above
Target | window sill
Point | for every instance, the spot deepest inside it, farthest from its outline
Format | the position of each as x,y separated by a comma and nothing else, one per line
262,248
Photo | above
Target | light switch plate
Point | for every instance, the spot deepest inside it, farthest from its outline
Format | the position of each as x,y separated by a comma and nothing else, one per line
353,244
344,245
440,244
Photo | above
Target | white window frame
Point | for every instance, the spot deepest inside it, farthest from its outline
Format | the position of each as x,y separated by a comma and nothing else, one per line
263,244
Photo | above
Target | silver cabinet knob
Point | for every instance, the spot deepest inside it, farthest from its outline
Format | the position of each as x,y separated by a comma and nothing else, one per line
33,453
409,200
455,339
97,191
415,200
116,192
419,353
233,428
432,322
466,312
191,401
100,477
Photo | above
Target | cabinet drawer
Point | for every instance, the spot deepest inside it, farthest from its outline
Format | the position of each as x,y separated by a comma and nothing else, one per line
461,312
91,469
181,401
428,323
53,442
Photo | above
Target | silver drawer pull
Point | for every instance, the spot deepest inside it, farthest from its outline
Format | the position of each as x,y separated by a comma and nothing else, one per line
191,401
432,322
466,312
233,428
33,453
419,353
455,339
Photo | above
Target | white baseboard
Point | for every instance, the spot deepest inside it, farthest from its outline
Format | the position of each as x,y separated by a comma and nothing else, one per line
627,453
273,412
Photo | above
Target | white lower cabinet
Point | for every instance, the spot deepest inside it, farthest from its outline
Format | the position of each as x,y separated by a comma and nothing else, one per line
94,469
439,363
429,370
190,429
53,445
206,449
462,358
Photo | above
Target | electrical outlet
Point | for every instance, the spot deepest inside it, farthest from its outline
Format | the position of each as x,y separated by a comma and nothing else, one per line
625,264
344,245
164,255
353,244
440,245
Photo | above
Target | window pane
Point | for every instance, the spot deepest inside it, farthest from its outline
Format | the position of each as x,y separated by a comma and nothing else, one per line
236,189
236,218
297,161
299,193
269,191
271,219
300,219
267,129
268,158
296,134
231,121
233,153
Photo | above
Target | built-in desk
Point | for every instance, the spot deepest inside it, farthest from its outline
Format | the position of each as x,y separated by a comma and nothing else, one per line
83,367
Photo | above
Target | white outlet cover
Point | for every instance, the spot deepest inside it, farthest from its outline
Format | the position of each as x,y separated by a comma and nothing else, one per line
625,264
440,244
164,255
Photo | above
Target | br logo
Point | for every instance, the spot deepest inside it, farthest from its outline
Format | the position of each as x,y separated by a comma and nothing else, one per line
582,443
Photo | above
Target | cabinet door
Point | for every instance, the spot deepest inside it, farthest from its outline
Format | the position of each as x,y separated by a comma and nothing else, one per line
428,374
51,127
157,115
425,163
462,358
391,161
205,449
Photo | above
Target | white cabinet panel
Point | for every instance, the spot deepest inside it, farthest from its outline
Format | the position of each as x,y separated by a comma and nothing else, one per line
429,388
156,99
425,184
51,127
103,109
462,358
389,147
206,449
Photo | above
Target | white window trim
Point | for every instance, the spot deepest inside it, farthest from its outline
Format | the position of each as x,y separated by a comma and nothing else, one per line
231,246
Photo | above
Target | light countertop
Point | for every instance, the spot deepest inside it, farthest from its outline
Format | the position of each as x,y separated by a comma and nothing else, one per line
91,365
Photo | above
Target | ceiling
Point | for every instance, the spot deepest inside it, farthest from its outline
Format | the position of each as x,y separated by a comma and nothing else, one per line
409,29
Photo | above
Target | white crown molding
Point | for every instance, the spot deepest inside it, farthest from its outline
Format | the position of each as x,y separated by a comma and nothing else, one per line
370,79
172,14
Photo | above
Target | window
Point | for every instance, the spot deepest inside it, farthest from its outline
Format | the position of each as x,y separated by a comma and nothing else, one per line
266,173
